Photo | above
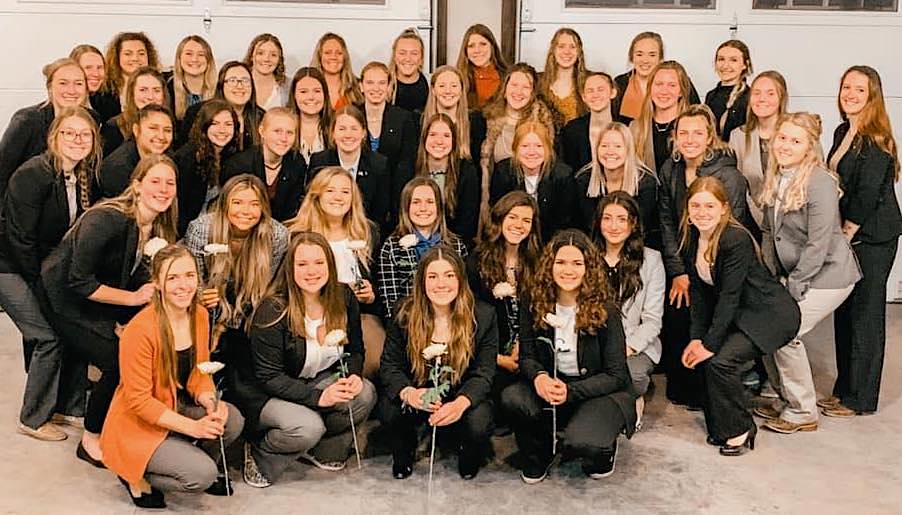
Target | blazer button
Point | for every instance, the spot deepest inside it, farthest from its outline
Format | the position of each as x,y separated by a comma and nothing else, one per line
583,371
777,238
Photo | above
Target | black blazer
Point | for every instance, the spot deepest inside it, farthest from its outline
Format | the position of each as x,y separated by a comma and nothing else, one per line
395,370
292,178
373,179
252,114
622,81
576,149
192,185
478,130
116,170
398,143
717,99
744,297
483,293
34,218
647,197
465,218
672,201
556,194
869,197
601,358
111,136
25,137
100,249
105,104
277,357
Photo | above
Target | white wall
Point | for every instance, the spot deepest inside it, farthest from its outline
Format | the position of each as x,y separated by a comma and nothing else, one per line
36,32
463,13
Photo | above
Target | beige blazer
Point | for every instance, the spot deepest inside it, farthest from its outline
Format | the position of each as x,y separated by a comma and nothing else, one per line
748,161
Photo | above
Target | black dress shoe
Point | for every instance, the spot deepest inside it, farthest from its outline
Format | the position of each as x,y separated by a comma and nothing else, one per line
83,455
468,462
744,447
402,465
710,440
152,500
220,488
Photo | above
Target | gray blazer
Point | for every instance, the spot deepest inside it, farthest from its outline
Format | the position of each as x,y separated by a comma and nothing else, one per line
809,243
642,313
748,161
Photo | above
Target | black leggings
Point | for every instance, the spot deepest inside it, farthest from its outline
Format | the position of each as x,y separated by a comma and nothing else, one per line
102,351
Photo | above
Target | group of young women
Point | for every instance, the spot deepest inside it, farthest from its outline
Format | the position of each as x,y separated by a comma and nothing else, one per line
489,247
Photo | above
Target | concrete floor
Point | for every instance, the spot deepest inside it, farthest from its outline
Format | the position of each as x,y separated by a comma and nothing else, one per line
847,466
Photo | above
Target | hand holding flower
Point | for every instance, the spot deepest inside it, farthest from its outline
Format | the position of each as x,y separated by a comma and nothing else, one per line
450,412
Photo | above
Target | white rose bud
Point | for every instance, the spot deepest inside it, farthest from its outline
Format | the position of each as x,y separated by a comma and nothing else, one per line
216,248
554,320
435,350
504,289
335,337
407,241
210,367
153,246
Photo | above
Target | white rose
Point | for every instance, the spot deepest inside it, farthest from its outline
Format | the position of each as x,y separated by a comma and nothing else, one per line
153,246
554,320
435,350
407,241
334,338
504,289
216,248
356,245
210,367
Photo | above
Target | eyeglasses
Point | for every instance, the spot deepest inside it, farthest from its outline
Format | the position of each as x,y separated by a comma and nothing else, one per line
71,135
236,81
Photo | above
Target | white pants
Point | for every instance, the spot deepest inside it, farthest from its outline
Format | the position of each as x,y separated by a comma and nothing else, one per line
796,386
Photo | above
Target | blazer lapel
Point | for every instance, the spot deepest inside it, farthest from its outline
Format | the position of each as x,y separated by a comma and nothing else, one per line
755,150
131,251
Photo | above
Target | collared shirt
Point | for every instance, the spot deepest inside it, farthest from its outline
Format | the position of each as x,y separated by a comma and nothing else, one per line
351,168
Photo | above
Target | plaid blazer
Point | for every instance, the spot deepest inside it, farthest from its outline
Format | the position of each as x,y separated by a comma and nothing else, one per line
397,266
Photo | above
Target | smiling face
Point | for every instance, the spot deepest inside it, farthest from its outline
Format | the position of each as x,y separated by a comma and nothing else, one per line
309,96
278,133
705,211
348,134
518,91
569,268
790,145
853,93
597,93
479,50
439,140
692,136
611,150
266,57
132,55
447,90
193,59
74,139
332,57
646,55
148,90
764,98
311,268
178,282
68,87
154,134
566,51
221,129
335,200
517,224
730,65
665,89
408,58
157,189
615,224
531,153
244,209
442,284
95,70
423,210
236,86
374,85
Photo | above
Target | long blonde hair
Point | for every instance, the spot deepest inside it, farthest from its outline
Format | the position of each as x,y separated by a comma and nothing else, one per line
178,76
633,169
413,35
85,170
311,218
166,362
796,194
461,114
417,315
251,269
349,84
642,127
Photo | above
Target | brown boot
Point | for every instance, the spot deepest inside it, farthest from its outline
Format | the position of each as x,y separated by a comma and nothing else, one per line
839,411
767,412
829,402
781,425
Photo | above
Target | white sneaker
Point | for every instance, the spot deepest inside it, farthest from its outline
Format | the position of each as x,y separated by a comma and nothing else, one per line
331,466
252,475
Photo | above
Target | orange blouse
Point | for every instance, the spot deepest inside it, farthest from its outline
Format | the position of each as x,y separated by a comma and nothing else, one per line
131,434
487,82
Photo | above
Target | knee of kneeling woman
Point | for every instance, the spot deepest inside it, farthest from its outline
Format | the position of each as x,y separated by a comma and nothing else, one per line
234,425
201,477
365,401
516,400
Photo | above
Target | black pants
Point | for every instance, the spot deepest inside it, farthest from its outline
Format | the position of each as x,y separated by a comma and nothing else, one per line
726,411
471,433
590,427
684,385
860,329
503,379
101,351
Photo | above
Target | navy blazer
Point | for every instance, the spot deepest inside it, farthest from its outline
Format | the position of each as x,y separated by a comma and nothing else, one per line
292,178
745,297
869,199
556,194
373,179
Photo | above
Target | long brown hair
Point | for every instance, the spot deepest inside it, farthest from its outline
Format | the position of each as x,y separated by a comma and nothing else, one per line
114,75
84,49
279,72
713,186
492,245
654,36
873,122
405,226
166,362
550,72
496,107
209,162
642,127
349,86
751,119
740,86
713,144
85,170
632,254
417,315
289,298
180,102
326,115
467,69
129,114
462,113
593,292
452,170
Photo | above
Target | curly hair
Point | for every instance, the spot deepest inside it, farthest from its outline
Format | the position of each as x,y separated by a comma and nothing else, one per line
115,76
208,159
492,244
594,291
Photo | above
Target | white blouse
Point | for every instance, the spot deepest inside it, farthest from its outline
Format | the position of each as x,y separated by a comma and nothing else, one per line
565,339
319,357
345,261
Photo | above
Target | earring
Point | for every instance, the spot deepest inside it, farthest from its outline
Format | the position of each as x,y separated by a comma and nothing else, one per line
709,154
676,156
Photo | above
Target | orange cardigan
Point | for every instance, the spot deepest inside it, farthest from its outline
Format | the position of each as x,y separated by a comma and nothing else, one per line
130,434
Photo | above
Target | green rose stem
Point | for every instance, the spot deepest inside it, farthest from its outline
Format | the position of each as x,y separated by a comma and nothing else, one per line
344,373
